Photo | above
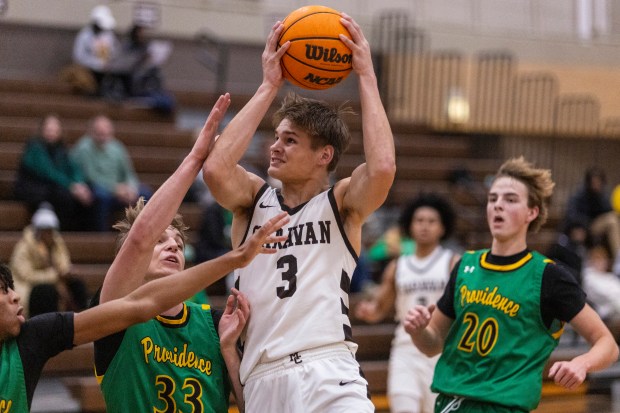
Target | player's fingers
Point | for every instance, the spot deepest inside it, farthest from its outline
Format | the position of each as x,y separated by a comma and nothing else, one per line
274,223
230,304
553,370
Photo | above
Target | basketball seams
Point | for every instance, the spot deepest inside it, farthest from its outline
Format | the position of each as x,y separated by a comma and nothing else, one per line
297,82
305,16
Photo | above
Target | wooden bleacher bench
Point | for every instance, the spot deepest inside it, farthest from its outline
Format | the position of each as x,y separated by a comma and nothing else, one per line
71,106
75,362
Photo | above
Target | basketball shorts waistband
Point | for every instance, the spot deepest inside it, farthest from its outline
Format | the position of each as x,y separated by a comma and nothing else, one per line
300,357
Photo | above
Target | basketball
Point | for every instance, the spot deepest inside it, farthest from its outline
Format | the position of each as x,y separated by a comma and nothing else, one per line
316,59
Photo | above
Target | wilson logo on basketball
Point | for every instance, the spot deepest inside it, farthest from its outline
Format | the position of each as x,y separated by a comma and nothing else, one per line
325,54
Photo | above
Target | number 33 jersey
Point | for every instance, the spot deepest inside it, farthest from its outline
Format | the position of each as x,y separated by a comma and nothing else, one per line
299,296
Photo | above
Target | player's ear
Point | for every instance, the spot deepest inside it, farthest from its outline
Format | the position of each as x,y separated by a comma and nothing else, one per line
532,214
326,155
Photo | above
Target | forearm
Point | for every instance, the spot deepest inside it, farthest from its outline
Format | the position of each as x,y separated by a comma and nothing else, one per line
233,361
236,137
603,353
427,341
150,299
378,140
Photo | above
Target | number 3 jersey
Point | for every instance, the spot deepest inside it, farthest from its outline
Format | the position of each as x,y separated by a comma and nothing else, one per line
299,296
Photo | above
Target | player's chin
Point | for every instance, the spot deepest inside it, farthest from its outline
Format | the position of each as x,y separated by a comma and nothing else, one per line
275,170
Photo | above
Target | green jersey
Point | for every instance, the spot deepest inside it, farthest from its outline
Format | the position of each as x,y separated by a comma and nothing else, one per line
169,365
498,345
13,397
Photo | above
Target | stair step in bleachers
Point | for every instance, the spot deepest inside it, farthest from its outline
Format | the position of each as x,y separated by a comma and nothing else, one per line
22,104
130,132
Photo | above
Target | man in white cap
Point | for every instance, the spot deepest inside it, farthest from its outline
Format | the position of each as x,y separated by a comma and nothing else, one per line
96,44
41,267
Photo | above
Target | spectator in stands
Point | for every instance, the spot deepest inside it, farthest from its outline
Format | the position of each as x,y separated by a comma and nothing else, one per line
150,242
409,280
591,204
41,267
603,287
504,308
46,173
139,65
109,171
96,45
570,248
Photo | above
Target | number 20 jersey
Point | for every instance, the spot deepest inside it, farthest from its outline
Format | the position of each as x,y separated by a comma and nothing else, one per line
299,296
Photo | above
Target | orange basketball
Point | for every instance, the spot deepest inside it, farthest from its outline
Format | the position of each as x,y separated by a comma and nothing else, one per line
317,58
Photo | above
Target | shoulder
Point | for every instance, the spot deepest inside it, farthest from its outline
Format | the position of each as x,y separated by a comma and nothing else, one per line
54,329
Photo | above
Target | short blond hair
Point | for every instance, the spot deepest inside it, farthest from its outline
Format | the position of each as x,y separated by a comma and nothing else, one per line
538,183
131,213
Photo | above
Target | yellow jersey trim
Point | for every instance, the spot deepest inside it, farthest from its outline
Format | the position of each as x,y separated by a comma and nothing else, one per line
509,267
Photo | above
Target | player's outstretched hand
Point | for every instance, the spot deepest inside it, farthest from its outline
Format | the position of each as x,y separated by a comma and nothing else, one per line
233,320
367,311
259,242
207,135
568,374
417,318
272,70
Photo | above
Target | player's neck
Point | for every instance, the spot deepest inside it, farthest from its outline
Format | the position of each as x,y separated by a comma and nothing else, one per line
424,250
295,194
508,247
173,311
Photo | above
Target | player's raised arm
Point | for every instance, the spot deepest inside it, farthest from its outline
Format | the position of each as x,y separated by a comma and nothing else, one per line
132,261
371,181
158,295
230,184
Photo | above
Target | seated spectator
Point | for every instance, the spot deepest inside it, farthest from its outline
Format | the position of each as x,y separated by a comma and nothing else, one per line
108,169
41,265
602,287
47,174
570,248
139,67
591,205
96,45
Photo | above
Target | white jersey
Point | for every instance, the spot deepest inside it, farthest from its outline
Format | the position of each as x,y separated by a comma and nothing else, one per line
419,281
299,296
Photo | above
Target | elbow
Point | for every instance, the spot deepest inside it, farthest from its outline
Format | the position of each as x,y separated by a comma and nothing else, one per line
212,171
384,172
386,169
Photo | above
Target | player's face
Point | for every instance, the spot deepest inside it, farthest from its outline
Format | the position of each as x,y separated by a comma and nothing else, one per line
168,257
291,155
426,227
508,213
11,314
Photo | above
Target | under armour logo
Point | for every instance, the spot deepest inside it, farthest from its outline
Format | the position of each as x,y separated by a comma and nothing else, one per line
296,357
469,269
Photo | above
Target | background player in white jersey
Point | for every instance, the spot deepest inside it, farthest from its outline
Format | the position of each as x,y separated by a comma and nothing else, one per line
407,281
298,354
